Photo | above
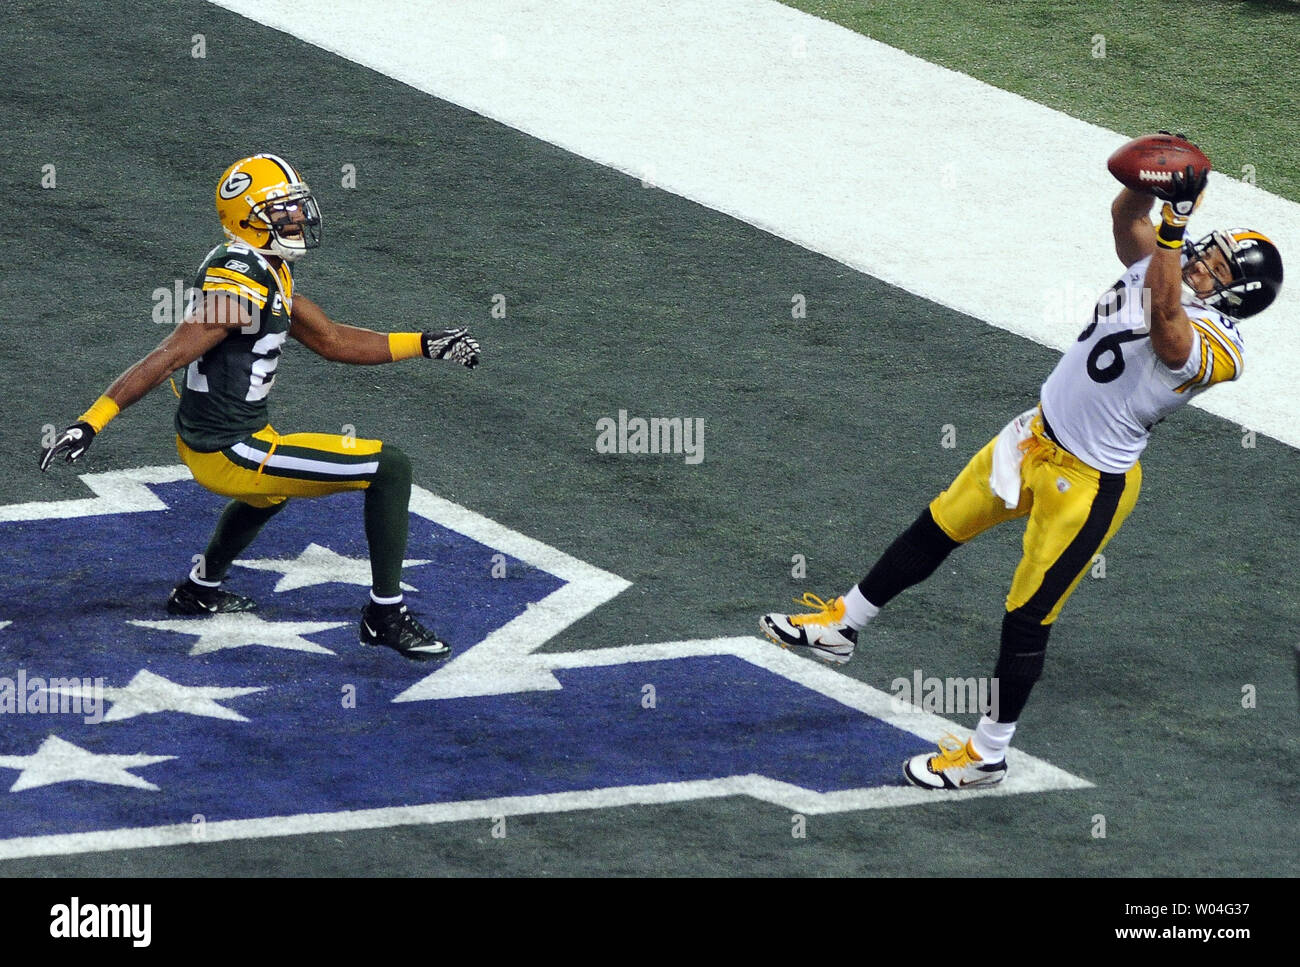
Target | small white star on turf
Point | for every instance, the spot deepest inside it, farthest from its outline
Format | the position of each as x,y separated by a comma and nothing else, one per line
319,565
60,761
223,631
148,693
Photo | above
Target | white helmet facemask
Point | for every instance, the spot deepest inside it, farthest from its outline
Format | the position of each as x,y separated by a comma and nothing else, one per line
277,213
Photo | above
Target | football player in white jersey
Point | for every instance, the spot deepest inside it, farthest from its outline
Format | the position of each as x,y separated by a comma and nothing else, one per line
1070,465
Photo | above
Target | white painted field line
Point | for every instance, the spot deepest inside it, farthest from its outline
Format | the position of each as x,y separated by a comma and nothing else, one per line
116,492
954,190
782,794
514,647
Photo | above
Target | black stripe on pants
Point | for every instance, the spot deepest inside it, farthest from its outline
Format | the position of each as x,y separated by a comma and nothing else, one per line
1024,636
1080,551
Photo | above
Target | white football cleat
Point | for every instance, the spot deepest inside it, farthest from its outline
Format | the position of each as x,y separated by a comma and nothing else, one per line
956,766
824,632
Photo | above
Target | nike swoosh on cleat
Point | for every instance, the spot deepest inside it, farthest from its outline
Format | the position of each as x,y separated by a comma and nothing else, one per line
369,630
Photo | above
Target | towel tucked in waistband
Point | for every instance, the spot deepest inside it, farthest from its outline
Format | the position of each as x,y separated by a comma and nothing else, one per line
1004,479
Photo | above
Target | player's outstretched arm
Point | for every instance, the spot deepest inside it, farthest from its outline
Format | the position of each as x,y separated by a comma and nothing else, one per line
1171,329
351,344
212,319
1130,215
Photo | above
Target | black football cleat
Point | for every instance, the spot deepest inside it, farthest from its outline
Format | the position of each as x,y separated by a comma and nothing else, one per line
190,598
397,628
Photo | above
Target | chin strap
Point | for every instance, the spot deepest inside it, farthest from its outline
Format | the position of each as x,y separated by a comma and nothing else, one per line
285,252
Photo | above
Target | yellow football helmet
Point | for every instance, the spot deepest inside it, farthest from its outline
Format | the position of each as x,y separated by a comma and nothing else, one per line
263,202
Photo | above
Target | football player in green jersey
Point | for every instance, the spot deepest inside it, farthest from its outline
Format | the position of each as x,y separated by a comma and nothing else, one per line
243,310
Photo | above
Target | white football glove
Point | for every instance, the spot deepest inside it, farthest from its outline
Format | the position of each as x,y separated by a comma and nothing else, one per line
456,345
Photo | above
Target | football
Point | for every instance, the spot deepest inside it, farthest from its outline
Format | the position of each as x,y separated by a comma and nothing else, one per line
1149,162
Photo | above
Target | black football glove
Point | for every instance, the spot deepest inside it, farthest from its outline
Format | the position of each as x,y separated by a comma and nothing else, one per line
72,442
456,345
1182,195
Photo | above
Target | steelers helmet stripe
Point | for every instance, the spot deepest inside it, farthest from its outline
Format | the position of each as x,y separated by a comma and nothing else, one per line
1238,234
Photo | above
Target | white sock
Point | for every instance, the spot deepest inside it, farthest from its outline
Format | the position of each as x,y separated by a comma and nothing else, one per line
857,609
379,600
992,738
194,576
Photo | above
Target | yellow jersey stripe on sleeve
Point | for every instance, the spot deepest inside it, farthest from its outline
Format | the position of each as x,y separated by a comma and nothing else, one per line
240,290
217,272
1225,357
1225,339
1206,364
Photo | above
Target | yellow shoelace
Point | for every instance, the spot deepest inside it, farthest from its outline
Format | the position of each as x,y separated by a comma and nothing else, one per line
952,753
825,614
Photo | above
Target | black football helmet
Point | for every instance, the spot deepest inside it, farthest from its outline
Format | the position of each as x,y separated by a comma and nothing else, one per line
1256,271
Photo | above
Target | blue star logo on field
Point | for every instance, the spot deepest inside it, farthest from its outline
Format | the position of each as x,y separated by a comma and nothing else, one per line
127,723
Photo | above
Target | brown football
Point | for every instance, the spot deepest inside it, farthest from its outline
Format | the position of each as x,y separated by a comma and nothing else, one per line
1149,162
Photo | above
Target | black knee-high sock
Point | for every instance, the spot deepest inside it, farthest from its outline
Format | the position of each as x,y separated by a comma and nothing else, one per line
236,529
1020,662
913,557
387,501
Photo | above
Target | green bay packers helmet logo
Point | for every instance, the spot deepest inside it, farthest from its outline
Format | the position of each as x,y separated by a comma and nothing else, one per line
234,186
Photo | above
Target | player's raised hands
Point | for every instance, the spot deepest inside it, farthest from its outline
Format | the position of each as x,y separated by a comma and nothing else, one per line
1183,194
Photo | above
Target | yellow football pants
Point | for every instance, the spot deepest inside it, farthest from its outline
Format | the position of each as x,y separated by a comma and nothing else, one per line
267,468
1073,509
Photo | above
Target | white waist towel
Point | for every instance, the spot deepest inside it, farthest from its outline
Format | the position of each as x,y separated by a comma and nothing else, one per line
1004,480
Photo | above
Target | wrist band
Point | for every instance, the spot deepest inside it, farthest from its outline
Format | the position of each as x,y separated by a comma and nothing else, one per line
100,413
1170,236
405,345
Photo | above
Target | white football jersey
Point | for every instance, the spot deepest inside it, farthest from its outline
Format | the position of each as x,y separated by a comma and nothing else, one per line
1110,388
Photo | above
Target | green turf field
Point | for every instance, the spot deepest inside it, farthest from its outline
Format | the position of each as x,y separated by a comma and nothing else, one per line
823,434
1154,66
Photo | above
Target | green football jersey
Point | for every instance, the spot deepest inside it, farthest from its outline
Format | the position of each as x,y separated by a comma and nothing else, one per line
226,388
